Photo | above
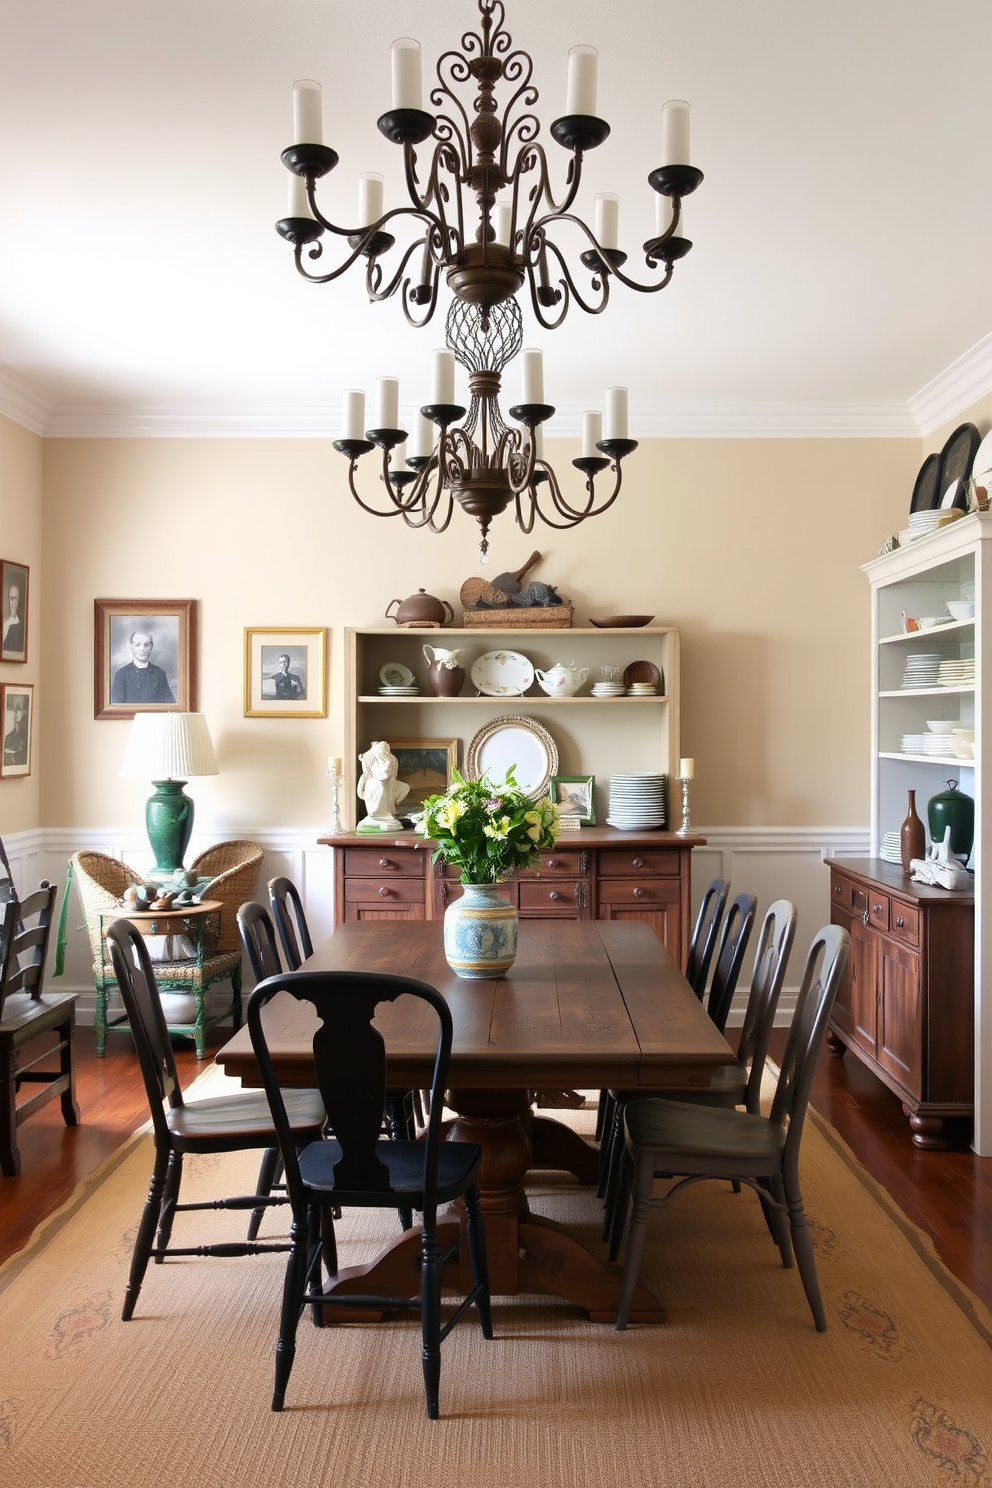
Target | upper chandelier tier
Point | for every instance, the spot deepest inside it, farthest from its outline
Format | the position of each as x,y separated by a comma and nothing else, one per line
498,158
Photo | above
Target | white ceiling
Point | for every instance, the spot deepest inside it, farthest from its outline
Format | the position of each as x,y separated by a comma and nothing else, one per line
841,261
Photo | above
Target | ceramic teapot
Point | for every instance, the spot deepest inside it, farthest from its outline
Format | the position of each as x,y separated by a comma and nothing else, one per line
444,674
421,609
561,680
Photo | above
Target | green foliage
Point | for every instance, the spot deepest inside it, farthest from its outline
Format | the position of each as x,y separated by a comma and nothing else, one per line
489,831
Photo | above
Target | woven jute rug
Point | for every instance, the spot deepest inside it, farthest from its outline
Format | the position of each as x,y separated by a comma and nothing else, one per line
736,1389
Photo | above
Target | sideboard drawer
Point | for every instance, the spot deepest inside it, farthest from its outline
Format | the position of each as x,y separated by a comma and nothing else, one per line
643,895
851,896
541,897
373,862
559,864
904,922
878,910
373,891
618,862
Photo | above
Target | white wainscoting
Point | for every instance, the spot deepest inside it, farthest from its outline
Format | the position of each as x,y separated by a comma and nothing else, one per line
770,863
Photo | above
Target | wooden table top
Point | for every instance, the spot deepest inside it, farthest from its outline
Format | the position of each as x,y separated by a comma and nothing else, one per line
588,1004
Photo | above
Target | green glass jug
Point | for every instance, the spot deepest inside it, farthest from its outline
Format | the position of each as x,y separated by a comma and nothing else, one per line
952,808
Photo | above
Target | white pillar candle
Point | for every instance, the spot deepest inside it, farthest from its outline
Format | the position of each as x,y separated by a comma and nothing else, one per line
307,123
369,198
662,214
675,132
298,204
502,216
387,413
592,433
580,93
334,764
422,439
616,413
407,86
353,422
532,377
607,219
443,377
687,768
397,457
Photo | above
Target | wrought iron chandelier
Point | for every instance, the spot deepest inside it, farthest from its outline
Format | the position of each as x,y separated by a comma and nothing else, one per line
473,456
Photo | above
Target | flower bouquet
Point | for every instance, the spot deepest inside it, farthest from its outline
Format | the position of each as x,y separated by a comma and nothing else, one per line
488,831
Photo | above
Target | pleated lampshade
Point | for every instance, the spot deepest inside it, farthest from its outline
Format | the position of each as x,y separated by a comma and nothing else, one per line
168,746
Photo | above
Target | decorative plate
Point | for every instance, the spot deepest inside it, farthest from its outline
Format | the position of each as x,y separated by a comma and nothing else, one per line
981,467
617,622
395,674
502,674
642,671
520,742
925,491
955,496
958,456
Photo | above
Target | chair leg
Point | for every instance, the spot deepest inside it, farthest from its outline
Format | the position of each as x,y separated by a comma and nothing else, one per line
620,1205
170,1197
100,1019
292,1304
477,1253
604,1136
616,1146
10,1158
802,1244
199,1029
430,1314
67,1066
778,1223
269,1173
236,997
145,1236
643,1179
602,1107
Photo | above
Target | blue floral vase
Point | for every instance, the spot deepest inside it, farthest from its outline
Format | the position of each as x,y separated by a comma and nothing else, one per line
480,932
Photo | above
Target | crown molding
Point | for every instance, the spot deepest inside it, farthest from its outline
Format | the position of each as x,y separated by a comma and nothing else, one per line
955,389
22,404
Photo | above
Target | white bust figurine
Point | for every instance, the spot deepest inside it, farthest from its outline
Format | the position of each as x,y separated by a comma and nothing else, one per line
379,788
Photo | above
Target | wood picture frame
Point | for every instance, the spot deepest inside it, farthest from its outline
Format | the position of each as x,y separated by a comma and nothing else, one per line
285,673
575,795
129,675
17,722
426,766
14,610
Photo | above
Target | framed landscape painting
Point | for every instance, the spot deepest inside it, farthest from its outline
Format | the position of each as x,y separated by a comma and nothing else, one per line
17,715
425,765
574,795
144,657
14,609
285,673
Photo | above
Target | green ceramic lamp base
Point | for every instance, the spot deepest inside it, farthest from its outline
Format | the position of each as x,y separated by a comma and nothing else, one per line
169,820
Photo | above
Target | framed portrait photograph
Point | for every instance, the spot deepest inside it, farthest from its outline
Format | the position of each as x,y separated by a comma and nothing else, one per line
285,674
17,717
574,795
144,657
14,608
425,765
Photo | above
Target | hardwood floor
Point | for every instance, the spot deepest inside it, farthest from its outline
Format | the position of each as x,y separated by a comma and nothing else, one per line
947,1194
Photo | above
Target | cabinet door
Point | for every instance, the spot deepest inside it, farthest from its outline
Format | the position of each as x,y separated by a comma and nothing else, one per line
842,1015
864,992
900,1014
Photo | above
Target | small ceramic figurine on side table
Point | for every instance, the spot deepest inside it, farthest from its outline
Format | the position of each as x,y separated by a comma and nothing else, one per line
687,772
379,788
334,776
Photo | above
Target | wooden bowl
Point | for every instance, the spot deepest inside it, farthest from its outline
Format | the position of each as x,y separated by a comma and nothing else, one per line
614,622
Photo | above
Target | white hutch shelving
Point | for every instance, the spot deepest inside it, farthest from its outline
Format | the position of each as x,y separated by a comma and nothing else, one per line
917,580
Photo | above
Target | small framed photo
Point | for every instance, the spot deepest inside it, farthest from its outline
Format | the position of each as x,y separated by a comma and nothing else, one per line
17,714
425,765
285,674
144,657
14,609
574,795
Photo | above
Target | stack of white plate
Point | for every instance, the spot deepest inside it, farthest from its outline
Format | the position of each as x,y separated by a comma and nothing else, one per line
642,689
399,692
890,849
925,744
607,689
923,522
638,801
957,673
922,669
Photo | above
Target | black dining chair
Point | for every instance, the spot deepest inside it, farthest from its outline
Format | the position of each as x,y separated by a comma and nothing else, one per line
226,1123
358,1167
691,1142
734,937
290,921
704,934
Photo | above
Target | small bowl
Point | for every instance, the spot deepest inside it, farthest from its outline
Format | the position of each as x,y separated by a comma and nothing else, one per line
962,609
965,732
616,622
941,725
963,748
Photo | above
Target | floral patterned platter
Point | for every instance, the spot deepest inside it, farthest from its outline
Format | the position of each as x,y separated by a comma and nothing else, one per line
502,674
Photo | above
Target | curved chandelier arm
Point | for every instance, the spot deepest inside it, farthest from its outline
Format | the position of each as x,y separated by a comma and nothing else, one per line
569,291
373,278
571,516
540,194
435,193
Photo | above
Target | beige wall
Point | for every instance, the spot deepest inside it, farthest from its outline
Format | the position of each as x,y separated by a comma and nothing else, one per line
21,542
753,547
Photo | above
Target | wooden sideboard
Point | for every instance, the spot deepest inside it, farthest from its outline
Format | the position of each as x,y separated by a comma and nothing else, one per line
906,1005
596,873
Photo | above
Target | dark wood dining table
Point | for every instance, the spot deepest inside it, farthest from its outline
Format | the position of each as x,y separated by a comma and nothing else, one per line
587,1004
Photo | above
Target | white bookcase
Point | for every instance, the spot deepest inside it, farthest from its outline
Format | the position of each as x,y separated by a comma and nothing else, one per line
918,580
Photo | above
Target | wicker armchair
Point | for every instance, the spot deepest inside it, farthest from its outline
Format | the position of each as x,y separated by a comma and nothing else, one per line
101,881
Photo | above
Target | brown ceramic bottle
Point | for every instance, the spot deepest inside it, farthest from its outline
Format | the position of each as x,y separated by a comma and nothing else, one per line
912,837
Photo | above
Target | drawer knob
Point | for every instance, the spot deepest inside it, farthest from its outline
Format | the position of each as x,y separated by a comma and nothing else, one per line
865,917
553,863
554,894
876,909
838,889
638,893
900,923
637,862
383,862
383,892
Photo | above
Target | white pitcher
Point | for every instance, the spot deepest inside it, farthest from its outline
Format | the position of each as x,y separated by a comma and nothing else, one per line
438,657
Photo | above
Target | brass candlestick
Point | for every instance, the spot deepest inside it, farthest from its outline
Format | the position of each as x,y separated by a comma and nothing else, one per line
685,829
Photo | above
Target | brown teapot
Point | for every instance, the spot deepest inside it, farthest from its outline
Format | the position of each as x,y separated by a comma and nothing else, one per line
421,609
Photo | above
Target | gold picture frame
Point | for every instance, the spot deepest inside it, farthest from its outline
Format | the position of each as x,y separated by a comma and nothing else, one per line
285,672
131,676
426,766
